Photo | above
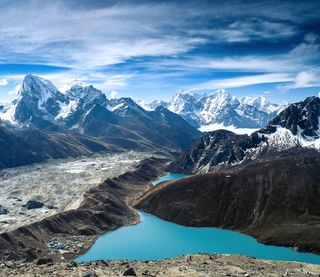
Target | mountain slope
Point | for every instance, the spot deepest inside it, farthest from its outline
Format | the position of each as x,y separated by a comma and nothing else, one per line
14,151
276,201
296,127
18,148
160,128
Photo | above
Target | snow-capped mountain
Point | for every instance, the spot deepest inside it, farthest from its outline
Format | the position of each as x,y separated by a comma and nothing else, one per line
297,127
86,110
221,108
38,103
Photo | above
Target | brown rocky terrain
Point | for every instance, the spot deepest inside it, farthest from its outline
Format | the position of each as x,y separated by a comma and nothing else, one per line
276,201
191,266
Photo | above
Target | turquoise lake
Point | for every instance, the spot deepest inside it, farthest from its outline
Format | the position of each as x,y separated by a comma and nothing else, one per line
154,239
168,177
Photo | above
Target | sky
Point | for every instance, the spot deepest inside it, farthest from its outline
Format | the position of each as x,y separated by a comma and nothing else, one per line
150,49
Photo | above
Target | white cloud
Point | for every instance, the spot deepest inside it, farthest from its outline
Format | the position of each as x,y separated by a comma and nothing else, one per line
15,91
113,94
303,79
246,63
90,38
245,81
3,82
253,28
65,35
62,33
63,80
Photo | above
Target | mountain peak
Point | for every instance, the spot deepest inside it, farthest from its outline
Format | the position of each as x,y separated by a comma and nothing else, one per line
79,90
301,118
35,86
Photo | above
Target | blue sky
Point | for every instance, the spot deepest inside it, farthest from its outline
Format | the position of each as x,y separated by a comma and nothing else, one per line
149,49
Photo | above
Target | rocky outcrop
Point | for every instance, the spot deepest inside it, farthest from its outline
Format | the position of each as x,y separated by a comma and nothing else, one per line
215,150
103,208
276,201
185,266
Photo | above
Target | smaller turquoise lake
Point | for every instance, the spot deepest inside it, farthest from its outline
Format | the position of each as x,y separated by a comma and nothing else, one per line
168,177
154,239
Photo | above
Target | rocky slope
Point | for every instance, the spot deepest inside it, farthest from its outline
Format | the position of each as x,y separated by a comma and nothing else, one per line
220,107
276,201
296,127
85,110
19,148
191,266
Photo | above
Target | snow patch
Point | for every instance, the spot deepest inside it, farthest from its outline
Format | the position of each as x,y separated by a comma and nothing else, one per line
66,109
284,139
7,114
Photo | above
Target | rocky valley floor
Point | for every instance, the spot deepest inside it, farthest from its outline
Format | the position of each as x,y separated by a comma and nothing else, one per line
191,266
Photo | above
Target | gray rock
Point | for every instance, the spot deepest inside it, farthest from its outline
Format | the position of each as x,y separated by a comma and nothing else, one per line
3,210
33,205
44,260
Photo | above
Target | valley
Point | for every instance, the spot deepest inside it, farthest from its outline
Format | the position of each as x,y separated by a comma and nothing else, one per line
81,215
58,185
159,138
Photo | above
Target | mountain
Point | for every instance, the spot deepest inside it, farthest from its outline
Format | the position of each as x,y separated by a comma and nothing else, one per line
38,104
276,201
295,127
83,109
82,99
220,107
155,129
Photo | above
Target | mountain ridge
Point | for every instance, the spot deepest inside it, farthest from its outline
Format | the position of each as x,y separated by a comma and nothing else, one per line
83,109
220,107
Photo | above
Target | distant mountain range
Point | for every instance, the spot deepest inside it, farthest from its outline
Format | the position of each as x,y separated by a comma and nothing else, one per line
296,127
85,110
219,107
